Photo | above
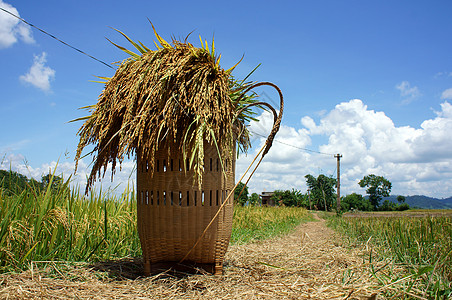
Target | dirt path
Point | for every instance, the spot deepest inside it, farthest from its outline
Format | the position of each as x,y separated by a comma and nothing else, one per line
310,263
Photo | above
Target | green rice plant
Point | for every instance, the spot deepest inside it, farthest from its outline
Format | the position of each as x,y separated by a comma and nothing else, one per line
422,245
257,222
64,225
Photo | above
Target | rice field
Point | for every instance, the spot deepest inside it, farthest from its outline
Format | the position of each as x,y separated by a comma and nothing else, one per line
59,228
63,225
419,247
253,223
59,225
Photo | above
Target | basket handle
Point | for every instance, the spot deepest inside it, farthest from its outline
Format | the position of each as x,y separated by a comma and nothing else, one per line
276,124
277,117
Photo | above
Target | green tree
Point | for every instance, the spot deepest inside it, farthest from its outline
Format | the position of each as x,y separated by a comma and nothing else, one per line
12,182
401,199
403,206
54,181
322,191
15,183
355,201
243,197
289,198
377,188
255,199
387,206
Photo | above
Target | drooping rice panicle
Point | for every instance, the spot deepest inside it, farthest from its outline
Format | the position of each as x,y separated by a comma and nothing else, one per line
177,94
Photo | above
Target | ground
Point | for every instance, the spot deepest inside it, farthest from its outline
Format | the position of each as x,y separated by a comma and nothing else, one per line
313,262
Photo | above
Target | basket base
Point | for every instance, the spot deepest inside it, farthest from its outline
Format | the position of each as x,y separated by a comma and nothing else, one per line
185,267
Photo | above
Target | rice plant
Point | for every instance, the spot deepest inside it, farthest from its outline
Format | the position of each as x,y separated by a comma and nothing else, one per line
252,223
63,225
421,245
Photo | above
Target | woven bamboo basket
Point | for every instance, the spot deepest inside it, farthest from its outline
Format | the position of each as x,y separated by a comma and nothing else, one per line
173,212
182,92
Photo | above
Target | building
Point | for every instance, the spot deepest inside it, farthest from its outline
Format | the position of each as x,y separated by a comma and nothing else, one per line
267,199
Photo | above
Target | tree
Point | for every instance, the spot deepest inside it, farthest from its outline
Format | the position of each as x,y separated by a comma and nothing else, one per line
387,206
355,201
322,190
57,181
243,197
12,182
401,199
15,183
403,206
255,199
289,198
377,188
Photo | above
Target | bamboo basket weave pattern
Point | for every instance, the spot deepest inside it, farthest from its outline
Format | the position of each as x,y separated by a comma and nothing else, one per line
173,213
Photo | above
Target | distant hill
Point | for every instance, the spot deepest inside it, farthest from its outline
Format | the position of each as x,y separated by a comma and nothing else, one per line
448,201
425,202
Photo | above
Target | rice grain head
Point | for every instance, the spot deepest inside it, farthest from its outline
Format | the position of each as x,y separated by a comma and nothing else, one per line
177,95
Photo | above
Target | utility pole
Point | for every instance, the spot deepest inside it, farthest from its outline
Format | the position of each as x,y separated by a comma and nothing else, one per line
309,197
338,156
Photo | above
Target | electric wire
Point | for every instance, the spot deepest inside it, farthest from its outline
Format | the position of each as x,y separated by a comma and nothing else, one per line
54,37
287,144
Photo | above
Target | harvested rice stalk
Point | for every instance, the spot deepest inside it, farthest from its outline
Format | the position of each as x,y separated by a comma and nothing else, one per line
178,95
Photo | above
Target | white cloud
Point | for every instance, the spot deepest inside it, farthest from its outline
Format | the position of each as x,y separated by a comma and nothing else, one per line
282,165
39,74
416,161
440,74
447,94
435,143
408,92
11,28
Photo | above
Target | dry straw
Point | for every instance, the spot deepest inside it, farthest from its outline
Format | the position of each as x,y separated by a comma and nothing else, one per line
310,263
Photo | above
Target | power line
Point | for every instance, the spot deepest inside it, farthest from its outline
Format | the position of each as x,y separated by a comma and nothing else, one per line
301,148
54,37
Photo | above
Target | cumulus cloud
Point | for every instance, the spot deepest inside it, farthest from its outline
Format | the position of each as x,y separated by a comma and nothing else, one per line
434,143
39,74
447,94
416,161
11,28
283,163
353,128
407,91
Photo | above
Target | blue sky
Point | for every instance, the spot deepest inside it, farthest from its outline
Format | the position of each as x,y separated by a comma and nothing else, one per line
369,80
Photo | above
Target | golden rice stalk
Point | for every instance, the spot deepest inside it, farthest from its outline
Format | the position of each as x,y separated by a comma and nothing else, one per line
164,96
